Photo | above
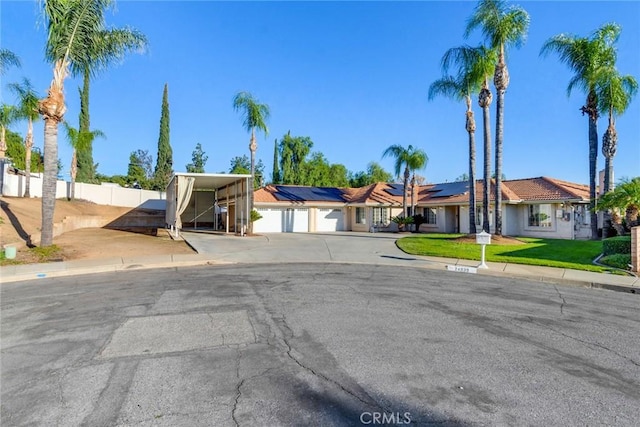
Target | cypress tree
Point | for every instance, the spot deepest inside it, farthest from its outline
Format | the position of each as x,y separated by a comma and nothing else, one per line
275,176
164,165
86,168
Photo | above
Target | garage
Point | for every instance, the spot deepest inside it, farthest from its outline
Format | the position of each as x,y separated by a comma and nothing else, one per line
329,220
278,220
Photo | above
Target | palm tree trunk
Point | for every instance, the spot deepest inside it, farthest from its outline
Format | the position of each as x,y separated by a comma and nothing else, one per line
50,180
253,146
3,143
28,144
486,185
74,174
498,184
471,129
501,82
404,191
592,113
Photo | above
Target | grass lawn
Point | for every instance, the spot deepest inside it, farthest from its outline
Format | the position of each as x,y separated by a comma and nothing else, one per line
575,254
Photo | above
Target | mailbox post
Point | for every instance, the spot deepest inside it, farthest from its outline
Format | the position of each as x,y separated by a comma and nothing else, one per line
483,239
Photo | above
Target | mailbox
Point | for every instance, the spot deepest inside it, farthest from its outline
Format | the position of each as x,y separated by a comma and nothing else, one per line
483,238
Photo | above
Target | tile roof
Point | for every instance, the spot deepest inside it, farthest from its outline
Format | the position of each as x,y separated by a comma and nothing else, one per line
515,190
544,188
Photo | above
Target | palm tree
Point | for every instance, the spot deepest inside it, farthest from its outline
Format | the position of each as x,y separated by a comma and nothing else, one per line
108,47
79,141
472,64
614,96
625,196
412,159
586,57
503,26
254,116
8,58
28,109
8,115
72,28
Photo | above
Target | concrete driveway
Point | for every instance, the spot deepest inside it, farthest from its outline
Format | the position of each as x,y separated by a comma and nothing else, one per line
347,247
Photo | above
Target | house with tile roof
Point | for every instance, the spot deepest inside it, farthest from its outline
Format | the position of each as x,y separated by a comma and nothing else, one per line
534,207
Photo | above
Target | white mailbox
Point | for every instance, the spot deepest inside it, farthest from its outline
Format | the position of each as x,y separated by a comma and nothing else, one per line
483,239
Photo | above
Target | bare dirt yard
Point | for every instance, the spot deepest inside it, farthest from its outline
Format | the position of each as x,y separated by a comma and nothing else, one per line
21,217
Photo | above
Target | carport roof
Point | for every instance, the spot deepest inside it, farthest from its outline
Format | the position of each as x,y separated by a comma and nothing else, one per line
212,181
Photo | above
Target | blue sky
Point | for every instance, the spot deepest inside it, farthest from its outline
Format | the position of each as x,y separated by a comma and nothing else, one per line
353,76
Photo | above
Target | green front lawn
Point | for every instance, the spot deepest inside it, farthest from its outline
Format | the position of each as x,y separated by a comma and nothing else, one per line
575,254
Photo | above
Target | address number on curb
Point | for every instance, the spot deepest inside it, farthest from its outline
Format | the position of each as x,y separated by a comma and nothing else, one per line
462,269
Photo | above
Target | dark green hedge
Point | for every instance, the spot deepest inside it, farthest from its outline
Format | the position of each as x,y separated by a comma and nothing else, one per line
620,261
616,245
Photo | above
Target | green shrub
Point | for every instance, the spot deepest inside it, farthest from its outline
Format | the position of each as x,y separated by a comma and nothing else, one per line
255,215
621,261
616,245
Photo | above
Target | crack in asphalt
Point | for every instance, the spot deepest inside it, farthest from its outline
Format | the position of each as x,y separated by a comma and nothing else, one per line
594,344
324,377
238,387
561,298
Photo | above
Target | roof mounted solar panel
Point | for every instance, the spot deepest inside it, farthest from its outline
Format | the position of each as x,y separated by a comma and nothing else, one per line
302,194
395,189
449,189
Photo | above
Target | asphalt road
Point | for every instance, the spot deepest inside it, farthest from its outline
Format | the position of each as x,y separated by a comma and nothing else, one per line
313,344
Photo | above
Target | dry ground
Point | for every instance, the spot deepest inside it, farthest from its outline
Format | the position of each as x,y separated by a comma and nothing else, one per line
19,216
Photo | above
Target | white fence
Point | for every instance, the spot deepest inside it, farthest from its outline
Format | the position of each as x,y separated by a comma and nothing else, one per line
13,185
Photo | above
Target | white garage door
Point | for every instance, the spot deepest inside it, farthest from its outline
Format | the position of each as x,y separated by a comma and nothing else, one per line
296,220
278,220
329,220
271,221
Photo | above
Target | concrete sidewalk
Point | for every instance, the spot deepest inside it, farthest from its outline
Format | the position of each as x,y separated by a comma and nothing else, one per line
385,254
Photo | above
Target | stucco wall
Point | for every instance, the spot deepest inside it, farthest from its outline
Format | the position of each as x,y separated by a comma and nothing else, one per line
560,228
13,185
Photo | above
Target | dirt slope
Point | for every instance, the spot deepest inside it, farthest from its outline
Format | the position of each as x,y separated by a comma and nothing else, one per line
20,217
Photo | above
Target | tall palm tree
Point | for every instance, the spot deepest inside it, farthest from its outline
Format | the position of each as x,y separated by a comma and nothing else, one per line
8,115
7,59
472,64
586,57
108,47
615,93
27,109
79,142
412,159
503,26
254,116
72,28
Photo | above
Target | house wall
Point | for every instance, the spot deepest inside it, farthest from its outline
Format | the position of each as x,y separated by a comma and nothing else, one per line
464,220
351,215
441,220
513,216
560,229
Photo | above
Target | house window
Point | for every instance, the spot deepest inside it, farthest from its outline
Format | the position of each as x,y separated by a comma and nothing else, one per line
540,216
380,216
361,216
430,216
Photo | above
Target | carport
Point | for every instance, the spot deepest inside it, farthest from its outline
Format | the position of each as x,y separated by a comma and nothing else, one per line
206,201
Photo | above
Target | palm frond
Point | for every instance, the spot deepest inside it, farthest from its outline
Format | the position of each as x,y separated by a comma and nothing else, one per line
7,59
254,114
27,99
